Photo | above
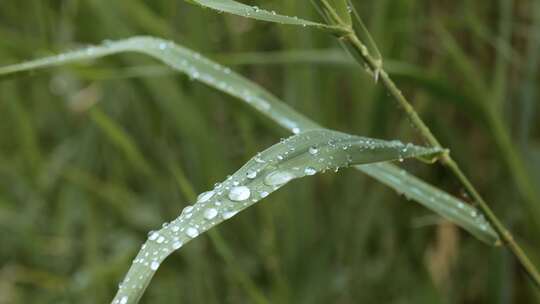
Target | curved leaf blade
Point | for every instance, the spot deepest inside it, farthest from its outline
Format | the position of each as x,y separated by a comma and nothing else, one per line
442,203
298,156
223,79
254,12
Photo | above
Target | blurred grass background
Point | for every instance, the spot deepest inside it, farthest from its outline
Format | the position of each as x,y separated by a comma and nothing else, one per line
93,156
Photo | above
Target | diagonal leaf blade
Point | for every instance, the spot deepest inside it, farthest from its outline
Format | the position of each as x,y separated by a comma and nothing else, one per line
254,12
223,79
305,154
443,204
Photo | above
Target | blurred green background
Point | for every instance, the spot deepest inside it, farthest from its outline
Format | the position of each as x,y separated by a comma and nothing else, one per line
94,155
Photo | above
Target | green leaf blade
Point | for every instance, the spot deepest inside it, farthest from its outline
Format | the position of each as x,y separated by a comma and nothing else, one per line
254,12
229,82
435,200
305,154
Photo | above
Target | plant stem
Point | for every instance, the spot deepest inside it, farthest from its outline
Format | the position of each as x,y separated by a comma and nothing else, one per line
374,65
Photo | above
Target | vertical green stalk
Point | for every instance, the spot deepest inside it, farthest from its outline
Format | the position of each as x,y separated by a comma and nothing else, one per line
374,65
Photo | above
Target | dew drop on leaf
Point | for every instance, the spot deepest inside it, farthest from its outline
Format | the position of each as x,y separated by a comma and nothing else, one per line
310,171
210,213
240,193
192,232
278,178
251,174
205,196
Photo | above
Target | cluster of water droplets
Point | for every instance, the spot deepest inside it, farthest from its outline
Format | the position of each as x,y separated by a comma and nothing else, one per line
257,13
262,14
200,68
193,64
300,155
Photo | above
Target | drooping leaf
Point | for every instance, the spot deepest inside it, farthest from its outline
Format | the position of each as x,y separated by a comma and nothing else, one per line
447,206
305,154
213,74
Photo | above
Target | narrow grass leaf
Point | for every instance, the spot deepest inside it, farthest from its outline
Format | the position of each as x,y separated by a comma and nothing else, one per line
440,202
305,154
254,12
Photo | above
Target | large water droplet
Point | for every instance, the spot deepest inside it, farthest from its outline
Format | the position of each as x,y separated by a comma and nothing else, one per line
205,196
153,235
310,171
192,232
154,265
278,178
239,194
251,174
210,213
313,150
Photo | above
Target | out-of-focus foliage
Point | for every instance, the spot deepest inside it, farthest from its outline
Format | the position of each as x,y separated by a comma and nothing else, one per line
92,156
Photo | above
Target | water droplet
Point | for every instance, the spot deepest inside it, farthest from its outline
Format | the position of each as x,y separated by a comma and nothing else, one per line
205,196
192,232
160,239
153,236
176,245
210,213
187,210
154,265
263,194
251,174
296,130
227,215
259,159
240,193
313,150
310,171
278,178
123,300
